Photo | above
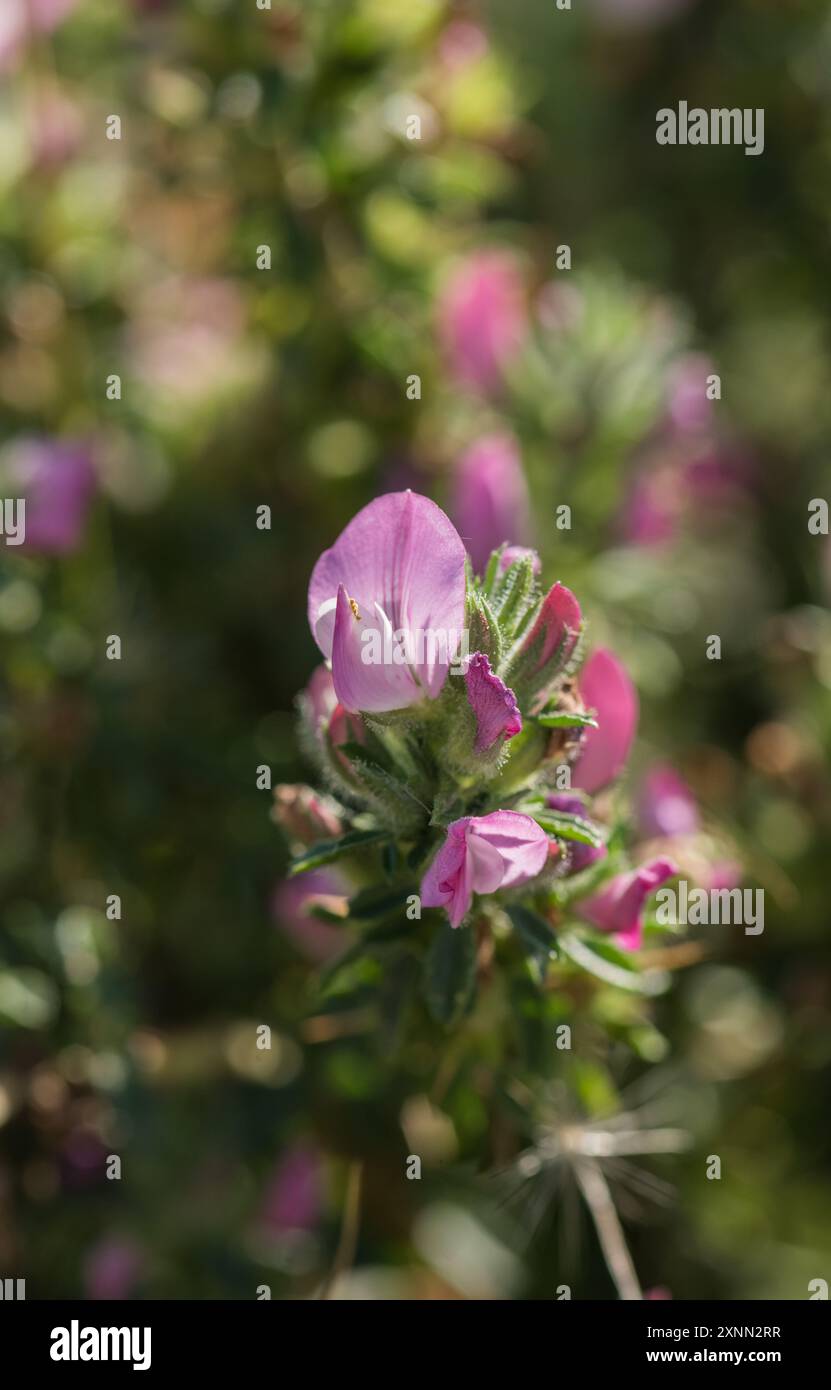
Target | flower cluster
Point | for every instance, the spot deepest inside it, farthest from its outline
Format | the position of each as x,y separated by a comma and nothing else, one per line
467,744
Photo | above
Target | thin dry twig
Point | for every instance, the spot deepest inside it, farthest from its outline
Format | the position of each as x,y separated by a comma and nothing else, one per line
600,1203
350,1225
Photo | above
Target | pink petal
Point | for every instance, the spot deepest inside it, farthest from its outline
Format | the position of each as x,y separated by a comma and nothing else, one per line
618,907
482,854
359,684
606,688
447,881
557,623
493,703
487,867
522,844
403,554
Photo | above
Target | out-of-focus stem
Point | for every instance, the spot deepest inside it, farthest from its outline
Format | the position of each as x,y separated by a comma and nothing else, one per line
350,1224
600,1203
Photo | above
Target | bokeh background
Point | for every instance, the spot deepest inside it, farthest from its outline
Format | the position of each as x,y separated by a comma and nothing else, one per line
285,386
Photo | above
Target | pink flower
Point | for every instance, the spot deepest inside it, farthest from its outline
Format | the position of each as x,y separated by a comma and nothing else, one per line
480,855
666,806
482,319
618,907
292,906
387,603
294,1197
580,856
493,703
490,497
56,478
606,688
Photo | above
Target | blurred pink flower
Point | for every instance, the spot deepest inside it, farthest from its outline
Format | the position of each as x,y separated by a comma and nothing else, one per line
21,20
112,1268
57,127
57,479
666,806
657,1295
182,335
294,1196
480,855
619,906
715,475
319,697
725,873
606,688
688,406
490,498
482,319
397,568
306,815
462,42
292,904
649,515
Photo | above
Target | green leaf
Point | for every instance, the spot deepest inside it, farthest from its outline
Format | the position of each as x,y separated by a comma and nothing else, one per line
327,850
450,972
394,801
567,827
491,571
377,902
611,965
537,936
385,934
566,721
